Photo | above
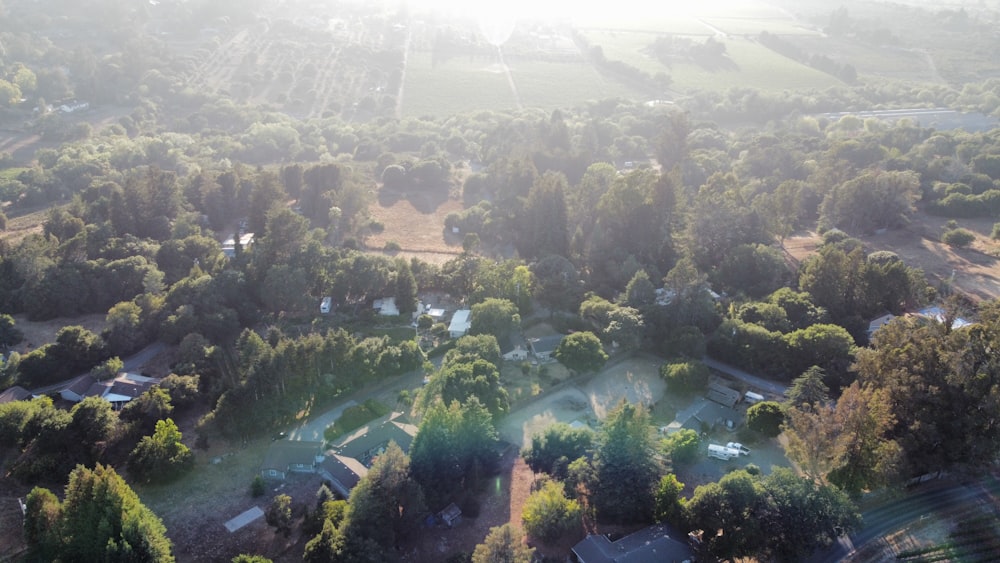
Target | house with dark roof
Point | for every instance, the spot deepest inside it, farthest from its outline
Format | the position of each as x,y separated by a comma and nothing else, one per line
543,347
14,393
655,544
77,388
286,456
349,458
117,391
723,395
372,439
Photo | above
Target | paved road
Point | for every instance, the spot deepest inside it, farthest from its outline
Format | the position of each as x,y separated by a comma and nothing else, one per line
758,382
938,496
312,431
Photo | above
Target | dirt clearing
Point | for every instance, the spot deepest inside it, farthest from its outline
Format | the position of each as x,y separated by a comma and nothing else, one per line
974,271
39,333
415,222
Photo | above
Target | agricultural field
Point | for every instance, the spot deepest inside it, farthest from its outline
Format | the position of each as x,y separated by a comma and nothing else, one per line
456,85
306,68
753,66
550,85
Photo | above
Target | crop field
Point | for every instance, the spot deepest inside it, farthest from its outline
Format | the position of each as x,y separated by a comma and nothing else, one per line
755,66
679,24
454,86
551,85
630,47
733,25
882,61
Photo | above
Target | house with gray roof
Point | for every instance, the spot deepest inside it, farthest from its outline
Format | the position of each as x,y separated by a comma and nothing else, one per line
15,393
349,458
655,544
287,456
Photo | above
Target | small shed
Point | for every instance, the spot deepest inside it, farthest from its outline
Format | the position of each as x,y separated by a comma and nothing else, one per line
450,516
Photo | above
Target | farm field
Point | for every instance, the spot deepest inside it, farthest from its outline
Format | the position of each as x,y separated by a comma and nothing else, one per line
629,47
454,86
754,66
736,25
551,85
884,61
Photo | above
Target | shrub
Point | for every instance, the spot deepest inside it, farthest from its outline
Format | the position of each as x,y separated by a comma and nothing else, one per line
766,417
682,445
257,487
393,246
995,235
548,514
958,237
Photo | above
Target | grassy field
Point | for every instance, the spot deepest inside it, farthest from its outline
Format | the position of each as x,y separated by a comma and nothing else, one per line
628,47
454,86
755,66
551,85
733,25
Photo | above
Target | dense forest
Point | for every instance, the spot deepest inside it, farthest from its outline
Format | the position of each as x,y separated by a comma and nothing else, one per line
678,253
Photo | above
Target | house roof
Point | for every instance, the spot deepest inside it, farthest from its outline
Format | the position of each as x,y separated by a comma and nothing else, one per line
15,393
723,395
711,413
80,385
546,344
938,314
655,544
345,471
460,321
367,441
285,453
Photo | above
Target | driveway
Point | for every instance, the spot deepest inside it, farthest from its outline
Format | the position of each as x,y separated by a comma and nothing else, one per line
312,431
756,381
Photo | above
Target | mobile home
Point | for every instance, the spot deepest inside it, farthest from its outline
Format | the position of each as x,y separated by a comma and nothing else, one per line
722,452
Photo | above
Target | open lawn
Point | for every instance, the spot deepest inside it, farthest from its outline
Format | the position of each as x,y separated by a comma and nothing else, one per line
454,86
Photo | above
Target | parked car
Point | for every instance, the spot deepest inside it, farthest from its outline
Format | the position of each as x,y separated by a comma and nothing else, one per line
739,447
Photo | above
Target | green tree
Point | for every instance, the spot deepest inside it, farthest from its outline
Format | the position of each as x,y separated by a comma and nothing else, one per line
9,333
498,317
123,329
626,466
873,200
453,448
685,377
385,505
581,352
765,417
101,519
406,288
279,514
161,456
548,514
246,558
555,447
640,292
479,379
808,388
669,502
504,544
545,217
682,446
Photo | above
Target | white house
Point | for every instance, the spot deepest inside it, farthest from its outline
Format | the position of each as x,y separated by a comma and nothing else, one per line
460,323
516,355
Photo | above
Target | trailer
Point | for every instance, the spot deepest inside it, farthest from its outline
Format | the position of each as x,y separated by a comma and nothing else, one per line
722,452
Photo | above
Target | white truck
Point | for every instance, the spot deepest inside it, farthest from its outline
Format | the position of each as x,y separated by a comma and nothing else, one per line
739,447
724,453
325,305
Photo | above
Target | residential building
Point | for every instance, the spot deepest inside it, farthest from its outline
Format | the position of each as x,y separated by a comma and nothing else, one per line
286,456
655,544
460,323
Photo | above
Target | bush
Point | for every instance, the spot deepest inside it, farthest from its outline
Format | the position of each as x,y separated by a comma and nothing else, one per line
995,235
548,514
392,246
958,237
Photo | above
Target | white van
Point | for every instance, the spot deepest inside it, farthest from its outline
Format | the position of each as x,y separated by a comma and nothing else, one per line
324,306
722,452
753,398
